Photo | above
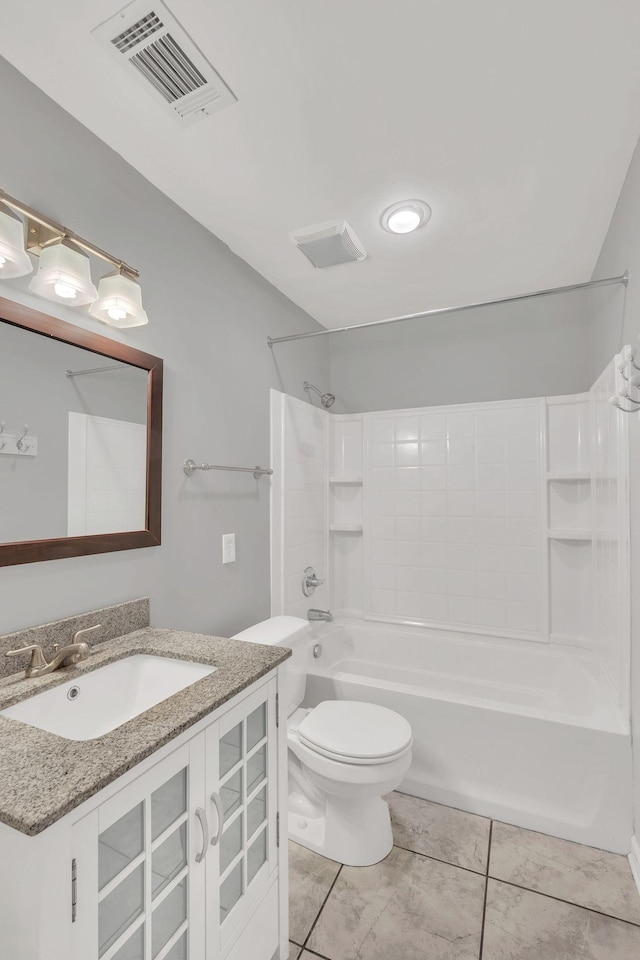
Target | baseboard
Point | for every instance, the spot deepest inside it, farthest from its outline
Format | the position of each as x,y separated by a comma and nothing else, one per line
634,860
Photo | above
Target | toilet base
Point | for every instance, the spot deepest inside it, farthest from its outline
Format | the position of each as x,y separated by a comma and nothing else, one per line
356,834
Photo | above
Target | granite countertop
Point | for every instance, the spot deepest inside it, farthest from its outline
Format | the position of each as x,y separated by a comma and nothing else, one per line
43,776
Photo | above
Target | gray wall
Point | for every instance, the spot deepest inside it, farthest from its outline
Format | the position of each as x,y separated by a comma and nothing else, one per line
528,349
621,251
210,314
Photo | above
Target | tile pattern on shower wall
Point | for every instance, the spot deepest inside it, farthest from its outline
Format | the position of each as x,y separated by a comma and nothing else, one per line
454,519
611,525
305,503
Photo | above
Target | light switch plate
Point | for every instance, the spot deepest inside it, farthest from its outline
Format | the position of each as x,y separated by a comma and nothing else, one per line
228,548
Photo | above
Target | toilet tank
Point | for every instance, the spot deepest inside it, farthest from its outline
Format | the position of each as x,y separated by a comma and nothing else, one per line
290,632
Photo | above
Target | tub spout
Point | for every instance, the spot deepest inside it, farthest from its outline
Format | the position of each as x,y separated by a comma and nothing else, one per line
320,615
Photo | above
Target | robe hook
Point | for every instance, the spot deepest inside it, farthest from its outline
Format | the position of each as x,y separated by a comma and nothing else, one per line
20,445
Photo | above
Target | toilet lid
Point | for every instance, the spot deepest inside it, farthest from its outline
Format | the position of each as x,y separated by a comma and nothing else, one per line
349,729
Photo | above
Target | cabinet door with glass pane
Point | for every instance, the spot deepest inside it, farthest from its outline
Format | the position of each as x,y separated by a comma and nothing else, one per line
241,765
139,863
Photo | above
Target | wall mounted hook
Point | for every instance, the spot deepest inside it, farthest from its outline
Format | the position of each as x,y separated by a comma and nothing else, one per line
20,444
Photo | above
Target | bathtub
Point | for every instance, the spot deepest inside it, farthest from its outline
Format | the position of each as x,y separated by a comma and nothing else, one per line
523,732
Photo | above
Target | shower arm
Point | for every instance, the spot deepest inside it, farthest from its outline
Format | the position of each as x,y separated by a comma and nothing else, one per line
326,399
309,386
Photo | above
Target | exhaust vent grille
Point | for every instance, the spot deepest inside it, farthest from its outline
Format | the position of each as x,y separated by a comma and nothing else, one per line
147,39
138,32
328,244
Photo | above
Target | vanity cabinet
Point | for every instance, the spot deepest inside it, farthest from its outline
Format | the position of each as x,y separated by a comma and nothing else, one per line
179,860
136,876
241,781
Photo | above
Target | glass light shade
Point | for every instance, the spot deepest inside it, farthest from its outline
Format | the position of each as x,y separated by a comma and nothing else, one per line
64,275
14,260
119,302
404,221
406,216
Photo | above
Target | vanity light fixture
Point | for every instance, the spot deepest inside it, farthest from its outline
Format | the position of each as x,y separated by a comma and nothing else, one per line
119,301
14,259
406,216
64,272
64,275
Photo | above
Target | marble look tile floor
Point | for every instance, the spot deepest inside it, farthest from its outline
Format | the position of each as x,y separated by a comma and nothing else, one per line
461,887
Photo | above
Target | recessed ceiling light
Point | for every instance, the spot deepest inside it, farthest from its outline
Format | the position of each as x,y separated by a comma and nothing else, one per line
406,216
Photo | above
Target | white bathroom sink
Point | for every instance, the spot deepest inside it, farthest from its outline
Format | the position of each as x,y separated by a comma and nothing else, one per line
95,703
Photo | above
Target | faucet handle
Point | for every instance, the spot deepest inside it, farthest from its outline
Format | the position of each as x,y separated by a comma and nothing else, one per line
310,581
37,656
81,633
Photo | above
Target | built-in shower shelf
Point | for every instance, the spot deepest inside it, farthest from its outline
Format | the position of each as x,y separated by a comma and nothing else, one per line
347,481
345,527
579,475
570,535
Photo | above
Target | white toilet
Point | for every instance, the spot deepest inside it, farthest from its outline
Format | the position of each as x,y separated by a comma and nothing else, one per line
344,755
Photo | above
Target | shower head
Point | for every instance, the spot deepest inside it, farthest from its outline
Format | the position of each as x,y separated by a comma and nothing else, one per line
326,399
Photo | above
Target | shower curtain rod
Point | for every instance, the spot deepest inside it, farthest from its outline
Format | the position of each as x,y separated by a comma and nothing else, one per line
83,373
441,310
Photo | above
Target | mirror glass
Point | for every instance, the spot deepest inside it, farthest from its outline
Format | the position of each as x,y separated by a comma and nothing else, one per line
80,468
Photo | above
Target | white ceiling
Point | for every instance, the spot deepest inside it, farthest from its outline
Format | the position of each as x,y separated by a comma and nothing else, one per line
515,121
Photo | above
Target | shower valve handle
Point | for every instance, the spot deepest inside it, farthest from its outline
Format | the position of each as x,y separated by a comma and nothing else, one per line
310,581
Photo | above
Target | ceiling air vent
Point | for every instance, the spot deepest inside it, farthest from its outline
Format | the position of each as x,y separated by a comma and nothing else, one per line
147,39
328,244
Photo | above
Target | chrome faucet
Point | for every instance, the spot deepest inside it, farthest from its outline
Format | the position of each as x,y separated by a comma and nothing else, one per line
74,652
319,615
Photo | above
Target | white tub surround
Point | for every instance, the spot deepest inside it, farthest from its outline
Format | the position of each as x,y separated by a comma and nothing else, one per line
454,517
346,513
494,519
521,732
610,633
299,527
480,556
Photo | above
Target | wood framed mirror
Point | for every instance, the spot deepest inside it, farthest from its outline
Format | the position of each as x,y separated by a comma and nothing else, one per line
80,440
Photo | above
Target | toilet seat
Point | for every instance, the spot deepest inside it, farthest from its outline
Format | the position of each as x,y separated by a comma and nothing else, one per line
350,731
